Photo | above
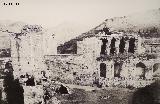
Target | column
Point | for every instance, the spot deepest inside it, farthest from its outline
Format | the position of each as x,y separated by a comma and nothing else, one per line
108,46
117,45
127,46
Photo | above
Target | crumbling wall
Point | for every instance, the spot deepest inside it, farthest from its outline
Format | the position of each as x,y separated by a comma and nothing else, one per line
28,49
4,40
151,45
5,49
101,60
89,46
70,68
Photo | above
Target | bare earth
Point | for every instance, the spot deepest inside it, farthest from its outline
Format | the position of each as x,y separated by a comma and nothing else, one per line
97,96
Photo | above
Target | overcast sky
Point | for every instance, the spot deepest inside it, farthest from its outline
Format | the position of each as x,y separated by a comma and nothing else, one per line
50,13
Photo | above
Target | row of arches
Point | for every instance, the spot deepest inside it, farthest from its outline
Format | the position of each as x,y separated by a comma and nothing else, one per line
121,45
117,69
140,67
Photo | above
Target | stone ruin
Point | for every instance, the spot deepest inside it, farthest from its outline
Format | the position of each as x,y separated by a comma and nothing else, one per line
25,51
108,59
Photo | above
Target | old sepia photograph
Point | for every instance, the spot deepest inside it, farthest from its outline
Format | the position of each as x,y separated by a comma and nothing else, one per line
79,51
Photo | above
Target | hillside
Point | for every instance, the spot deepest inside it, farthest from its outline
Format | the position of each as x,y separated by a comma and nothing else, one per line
11,26
145,23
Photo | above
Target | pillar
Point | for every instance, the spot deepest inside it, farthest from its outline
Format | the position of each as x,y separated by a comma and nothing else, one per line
108,46
117,45
127,46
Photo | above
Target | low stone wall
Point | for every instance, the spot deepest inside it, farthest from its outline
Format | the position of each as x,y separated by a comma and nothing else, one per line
130,83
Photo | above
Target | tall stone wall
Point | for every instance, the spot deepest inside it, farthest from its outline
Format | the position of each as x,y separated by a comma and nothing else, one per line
102,42
28,48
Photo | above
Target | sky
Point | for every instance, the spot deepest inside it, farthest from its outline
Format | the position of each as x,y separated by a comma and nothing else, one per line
50,13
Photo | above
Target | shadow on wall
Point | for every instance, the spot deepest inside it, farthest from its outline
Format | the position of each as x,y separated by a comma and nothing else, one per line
147,95
0,96
12,87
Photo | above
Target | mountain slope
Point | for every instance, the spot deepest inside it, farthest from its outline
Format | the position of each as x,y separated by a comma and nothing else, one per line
134,22
142,22
11,26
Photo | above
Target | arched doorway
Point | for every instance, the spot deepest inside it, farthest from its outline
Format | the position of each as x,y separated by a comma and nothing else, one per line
141,69
103,70
117,69
156,69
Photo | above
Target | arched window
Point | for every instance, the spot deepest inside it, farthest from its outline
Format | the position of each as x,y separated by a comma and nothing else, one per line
103,70
112,45
117,69
103,47
131,45
141,69
122,45
156,67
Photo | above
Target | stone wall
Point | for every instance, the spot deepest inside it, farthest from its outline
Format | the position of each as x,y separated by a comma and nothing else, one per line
92,65
74,69
28,47
102,42
70,68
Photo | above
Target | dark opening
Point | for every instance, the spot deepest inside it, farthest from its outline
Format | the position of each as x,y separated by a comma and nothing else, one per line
5,52
131,45
112,50
122,45
8,65
74,73
30,81
140,64
156,66
106,30
22,76
62,90
143,66
117,69
103,70
103,47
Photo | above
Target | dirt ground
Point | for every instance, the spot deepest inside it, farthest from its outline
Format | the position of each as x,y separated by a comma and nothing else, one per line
102,96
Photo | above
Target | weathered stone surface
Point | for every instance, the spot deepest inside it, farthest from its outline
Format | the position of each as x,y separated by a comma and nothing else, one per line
108,68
